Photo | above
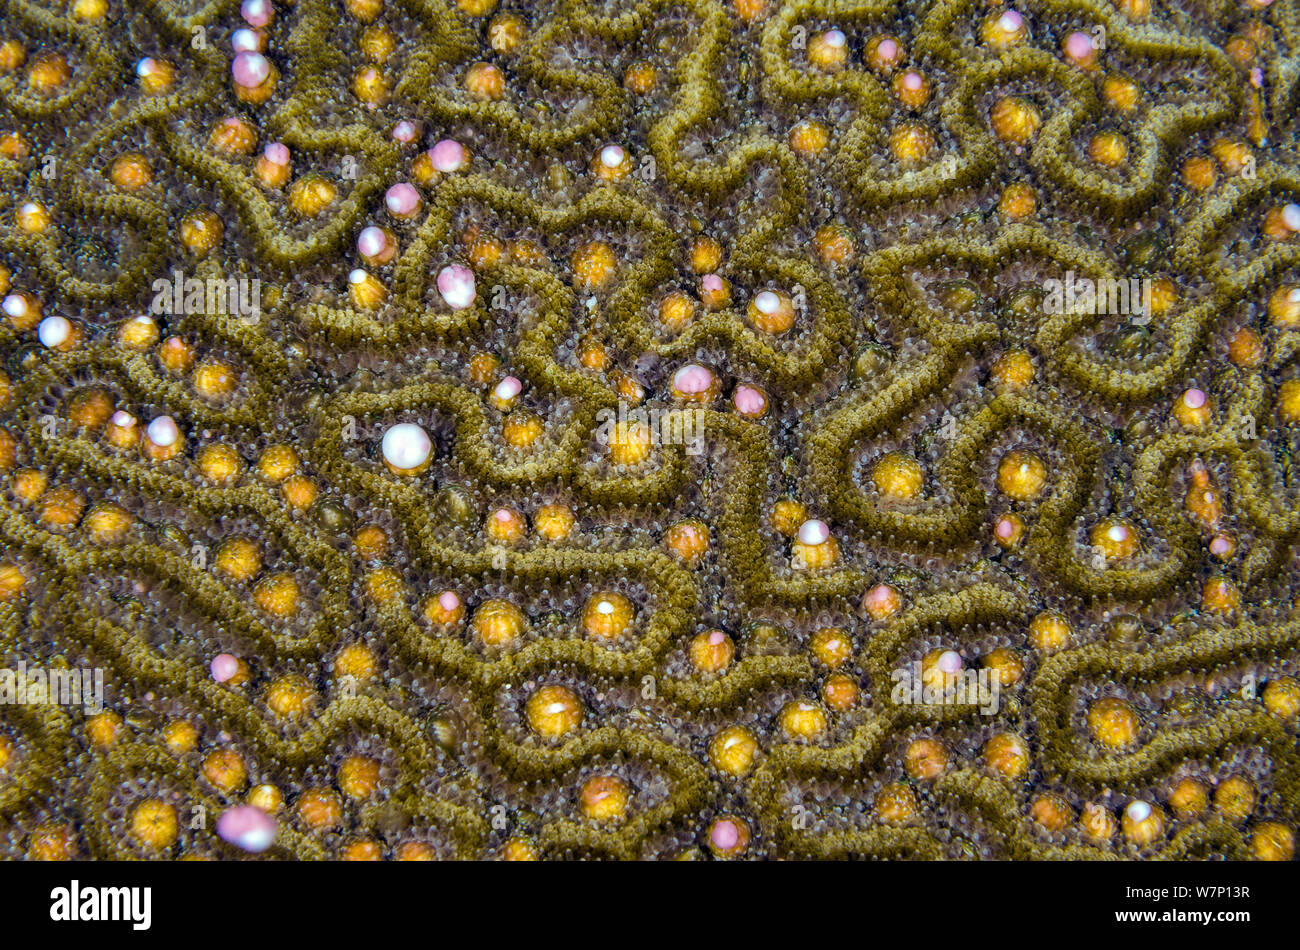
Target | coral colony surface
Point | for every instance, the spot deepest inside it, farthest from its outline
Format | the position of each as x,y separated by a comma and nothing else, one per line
662,429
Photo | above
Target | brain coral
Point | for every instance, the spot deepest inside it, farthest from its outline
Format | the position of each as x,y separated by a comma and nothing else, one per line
649,429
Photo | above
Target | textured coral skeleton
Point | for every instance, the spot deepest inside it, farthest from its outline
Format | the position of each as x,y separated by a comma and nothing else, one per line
317,314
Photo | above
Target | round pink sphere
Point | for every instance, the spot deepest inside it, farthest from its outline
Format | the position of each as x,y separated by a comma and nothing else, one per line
402,199
448,156
1078,46
456,285
244,40
250,69
247,827
724,834
224,667
749,401
372,242
257,12
693,379
277,153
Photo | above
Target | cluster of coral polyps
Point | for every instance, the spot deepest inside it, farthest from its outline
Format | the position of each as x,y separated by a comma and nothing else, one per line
649,429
